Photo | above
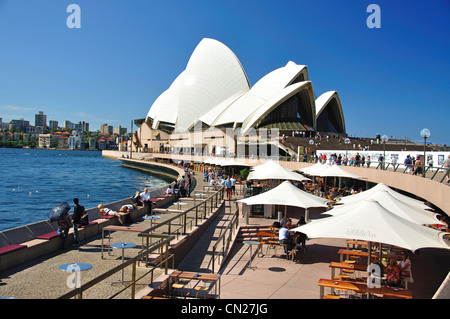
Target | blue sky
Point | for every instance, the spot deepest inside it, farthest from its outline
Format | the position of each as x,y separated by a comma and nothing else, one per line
393,80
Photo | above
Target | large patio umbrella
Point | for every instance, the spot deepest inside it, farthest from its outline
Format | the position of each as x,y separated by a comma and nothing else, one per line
400,208
233,162
311,170
335,171
273,170
381,186
288,195
371,222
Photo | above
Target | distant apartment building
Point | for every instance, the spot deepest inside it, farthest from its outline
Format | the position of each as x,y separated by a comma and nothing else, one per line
106,129
20,125
69,125
92,143
119,130
40,120
6,136
52,124
48,140
63,142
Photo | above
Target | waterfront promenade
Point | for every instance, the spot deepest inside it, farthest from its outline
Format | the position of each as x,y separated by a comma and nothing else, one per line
272,277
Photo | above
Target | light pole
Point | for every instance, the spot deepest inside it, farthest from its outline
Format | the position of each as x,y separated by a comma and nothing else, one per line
311,142
346,141
425,133
384,138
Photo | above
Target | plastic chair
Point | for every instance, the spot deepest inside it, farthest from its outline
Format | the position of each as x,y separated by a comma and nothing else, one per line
202,289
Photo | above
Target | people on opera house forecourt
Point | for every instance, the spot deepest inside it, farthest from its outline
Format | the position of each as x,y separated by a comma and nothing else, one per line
109,212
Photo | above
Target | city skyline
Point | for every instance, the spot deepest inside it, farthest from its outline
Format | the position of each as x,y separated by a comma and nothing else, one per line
60,124
391,80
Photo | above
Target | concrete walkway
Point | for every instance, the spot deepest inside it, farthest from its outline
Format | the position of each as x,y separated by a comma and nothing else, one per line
272,277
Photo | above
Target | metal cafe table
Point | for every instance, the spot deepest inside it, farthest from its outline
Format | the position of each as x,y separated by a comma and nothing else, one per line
76,268
123,246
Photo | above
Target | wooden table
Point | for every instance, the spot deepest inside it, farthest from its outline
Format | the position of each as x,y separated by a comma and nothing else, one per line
214,278
356,242
352,252
361,288
335,265
111,228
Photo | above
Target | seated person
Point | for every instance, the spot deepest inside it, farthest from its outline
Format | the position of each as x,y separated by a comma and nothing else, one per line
145,197
169,190
109,212
393,274
285,238
288,224
137,200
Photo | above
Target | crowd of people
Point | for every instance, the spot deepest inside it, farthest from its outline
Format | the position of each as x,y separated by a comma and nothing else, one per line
217,177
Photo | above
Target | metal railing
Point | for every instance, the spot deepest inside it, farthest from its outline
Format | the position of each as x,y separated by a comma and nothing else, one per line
164,243
178,222
224,240
411,169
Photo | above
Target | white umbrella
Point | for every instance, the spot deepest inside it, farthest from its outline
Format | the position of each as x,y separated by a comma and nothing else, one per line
289,195
381,186
335,171
233,162
209,160
273,170
311,170
400,208
371,222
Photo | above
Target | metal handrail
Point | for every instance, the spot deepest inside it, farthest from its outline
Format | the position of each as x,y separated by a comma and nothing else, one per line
78,292
143,254
213,199
423,173
225,239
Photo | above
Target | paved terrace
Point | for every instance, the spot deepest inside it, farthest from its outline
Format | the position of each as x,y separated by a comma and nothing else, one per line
272,277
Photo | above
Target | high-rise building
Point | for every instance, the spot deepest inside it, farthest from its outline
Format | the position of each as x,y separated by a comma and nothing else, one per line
119,130
52,124
106,129
69,125
40,119
20,125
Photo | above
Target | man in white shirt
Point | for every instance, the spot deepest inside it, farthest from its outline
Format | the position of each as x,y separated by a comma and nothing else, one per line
284,238
145,197
233,185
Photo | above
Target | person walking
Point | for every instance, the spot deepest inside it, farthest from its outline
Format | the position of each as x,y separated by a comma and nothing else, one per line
228,183
446,165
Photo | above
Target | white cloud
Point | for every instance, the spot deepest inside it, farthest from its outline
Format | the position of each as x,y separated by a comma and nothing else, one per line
15,108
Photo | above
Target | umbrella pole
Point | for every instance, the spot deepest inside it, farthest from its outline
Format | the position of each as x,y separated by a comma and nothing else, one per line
369,253
306,215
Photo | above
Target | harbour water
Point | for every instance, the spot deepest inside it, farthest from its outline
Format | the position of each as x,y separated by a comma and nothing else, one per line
32,181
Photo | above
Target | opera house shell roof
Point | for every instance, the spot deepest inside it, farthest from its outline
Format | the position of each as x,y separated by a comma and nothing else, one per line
214,91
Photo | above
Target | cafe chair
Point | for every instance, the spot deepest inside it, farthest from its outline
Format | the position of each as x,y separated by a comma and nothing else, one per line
181,285
329,296
202,289
271,245
341,292
350,273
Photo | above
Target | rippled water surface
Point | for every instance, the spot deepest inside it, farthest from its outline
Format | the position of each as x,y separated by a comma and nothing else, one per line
32,181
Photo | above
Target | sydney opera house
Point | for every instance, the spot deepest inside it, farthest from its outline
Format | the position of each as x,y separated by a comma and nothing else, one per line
211,106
